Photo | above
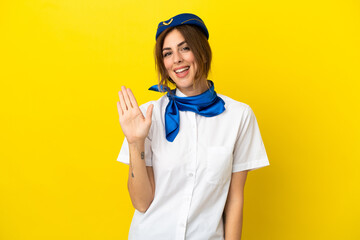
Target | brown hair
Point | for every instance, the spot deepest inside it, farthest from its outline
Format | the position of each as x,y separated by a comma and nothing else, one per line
199,46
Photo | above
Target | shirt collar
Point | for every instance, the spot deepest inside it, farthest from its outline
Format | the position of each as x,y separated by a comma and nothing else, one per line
179,93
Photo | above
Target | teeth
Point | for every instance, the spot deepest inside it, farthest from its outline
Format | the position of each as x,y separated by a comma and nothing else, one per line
182,70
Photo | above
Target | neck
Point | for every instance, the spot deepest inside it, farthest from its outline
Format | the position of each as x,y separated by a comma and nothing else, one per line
200,87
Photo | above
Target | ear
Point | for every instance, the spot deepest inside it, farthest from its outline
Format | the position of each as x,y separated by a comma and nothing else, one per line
203,58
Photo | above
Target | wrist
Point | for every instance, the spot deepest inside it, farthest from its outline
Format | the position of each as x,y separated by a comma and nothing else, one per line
139,144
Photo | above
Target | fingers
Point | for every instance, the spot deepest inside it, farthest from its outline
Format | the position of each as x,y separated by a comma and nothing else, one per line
121,112
149,113
126,97
127,101
122,102
132,98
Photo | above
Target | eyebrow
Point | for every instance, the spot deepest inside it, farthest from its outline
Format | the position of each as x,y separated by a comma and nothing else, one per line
177,45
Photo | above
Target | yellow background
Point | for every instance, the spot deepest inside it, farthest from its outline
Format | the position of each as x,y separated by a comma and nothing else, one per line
296,63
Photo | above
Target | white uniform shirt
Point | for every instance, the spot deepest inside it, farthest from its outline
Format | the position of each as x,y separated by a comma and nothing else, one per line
192,173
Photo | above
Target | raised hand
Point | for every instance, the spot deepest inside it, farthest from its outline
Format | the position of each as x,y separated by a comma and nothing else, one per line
133,123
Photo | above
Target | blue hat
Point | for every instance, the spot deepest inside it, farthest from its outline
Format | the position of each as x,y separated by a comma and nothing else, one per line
182,19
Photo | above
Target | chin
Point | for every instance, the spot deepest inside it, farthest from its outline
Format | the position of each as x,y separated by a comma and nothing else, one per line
181,84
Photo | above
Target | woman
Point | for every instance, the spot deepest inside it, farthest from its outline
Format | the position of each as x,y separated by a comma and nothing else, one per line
189,156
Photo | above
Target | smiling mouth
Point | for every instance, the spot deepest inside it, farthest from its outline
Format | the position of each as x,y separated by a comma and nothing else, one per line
181,70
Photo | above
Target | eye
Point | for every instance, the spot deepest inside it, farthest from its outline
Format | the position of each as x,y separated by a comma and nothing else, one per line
185,48
166,54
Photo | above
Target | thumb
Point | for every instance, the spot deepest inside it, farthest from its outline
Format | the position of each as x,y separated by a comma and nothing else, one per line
149,113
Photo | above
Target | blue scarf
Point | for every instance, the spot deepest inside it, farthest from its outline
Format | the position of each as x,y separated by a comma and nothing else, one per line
207,104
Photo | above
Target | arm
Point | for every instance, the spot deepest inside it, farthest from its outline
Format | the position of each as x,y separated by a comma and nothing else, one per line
233,213
141,184
136,128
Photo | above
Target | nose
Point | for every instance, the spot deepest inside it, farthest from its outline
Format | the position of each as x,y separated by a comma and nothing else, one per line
177,58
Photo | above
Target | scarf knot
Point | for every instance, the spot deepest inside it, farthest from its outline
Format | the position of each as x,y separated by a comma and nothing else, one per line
207,104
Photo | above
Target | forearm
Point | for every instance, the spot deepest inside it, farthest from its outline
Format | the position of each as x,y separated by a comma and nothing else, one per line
139,185
233,220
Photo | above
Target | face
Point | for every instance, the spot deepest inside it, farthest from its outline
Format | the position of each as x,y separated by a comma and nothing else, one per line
180,62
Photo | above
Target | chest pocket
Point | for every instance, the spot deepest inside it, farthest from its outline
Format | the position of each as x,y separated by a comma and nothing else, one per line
218,164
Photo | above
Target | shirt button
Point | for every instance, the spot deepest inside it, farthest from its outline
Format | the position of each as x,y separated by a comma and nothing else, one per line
191,174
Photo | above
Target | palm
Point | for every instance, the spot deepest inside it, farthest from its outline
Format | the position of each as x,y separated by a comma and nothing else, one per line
133,123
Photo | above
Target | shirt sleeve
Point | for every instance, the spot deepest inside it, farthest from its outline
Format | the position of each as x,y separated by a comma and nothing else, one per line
124,155
249,151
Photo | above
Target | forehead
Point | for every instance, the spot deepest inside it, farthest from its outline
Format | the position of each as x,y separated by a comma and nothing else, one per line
173,38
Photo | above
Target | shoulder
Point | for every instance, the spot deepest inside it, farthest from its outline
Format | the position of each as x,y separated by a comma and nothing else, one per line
234,107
